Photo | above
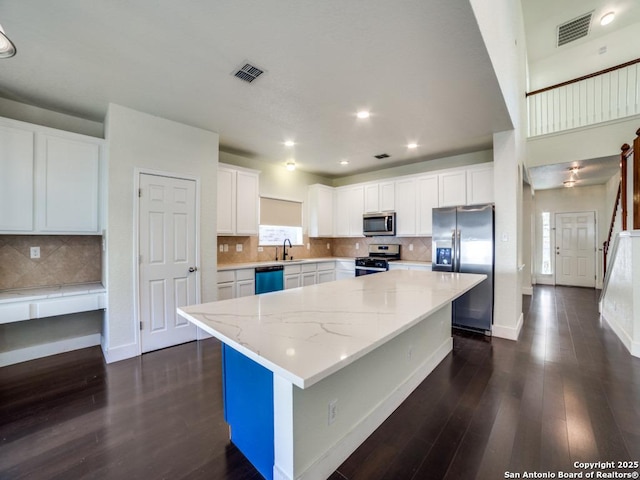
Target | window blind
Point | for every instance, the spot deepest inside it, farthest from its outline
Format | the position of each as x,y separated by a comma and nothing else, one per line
284,213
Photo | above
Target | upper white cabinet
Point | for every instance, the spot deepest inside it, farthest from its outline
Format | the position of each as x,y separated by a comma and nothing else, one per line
480,184
349,207
427,197
406,213
67,185
238,194
452,188
50,181
16,179
320,211
379,197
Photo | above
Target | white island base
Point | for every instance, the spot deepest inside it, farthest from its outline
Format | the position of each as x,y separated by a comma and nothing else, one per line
310,373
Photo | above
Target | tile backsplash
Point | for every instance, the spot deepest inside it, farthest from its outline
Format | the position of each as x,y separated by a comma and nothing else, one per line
338,247
64,260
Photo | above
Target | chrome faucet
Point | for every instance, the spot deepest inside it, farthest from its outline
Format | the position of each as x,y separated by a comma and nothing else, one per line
284,248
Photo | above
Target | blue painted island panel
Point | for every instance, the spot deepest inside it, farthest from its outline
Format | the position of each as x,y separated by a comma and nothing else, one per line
248,408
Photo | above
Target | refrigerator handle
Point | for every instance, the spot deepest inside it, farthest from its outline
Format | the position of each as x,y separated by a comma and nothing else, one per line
457,251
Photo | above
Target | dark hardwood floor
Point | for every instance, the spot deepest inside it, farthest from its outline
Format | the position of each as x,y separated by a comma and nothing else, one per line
567,391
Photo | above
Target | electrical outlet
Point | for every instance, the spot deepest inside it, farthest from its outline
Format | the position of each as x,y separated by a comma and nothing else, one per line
35,252
328,246
411,247
238,247
221,248
357,246
308,246
333,411
260,249
226,247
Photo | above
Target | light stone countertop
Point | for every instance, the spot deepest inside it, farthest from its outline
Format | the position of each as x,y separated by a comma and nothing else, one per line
240,266
306,334
40,293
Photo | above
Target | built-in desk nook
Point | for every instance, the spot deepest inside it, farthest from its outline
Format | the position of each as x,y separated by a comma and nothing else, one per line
310,373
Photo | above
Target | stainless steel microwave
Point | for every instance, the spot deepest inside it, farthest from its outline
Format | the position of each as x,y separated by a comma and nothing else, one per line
375,224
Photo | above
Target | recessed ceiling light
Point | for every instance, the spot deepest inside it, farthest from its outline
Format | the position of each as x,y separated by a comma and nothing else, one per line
574,170
291,165
607,18
412,145
569,183
7,48
344,162
363,114
289,143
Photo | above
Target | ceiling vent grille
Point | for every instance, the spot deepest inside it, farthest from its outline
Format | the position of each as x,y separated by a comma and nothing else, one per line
381,156
248,72
574,29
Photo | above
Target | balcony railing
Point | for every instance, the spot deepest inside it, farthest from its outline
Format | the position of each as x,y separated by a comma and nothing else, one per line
599,97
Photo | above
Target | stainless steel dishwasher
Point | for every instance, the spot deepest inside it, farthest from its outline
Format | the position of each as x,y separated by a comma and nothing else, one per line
269,279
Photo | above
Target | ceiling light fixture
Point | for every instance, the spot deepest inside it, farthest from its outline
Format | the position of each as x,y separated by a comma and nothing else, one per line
569,183
289,143
607,18
291,166
7,48
344,162
363,114
412,145
574,170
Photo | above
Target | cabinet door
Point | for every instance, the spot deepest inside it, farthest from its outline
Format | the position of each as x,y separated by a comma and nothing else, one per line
406,207
67,180
427,201
386,196
246,203
16,180
320,200
245,288
291,281
341,213
356,209
452,188
326,276
371,198
226,201
226,291
308,278
480,185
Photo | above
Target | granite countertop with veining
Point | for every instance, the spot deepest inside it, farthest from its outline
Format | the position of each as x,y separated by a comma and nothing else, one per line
306,334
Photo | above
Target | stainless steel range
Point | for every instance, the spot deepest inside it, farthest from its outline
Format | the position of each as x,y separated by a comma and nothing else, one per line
378,259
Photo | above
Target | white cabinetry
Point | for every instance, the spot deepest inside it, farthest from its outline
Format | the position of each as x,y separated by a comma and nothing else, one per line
345,269
406,214
452,188
379,197
326,272
409,266
16,179
349,207
291,276
480,184
67,185
62,168
320,209
236,283
427,198
238,193
309,274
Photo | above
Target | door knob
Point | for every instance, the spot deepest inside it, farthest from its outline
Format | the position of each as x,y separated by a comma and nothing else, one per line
192,269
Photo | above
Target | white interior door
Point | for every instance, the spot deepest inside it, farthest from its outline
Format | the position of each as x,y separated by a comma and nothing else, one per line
576,249
167,235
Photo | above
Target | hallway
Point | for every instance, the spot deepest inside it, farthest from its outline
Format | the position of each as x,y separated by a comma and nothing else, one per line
567,391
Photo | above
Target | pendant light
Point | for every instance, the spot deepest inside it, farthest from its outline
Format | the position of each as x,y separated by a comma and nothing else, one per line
7,48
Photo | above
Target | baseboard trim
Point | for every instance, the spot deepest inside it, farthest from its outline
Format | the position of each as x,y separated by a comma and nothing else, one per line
527,290
510,333
621,333
46,349
116,354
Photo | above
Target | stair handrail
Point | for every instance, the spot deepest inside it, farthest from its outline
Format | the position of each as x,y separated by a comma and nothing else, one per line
607,242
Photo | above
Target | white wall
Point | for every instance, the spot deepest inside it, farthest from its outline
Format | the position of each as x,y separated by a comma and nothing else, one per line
576,199
528,233
139,140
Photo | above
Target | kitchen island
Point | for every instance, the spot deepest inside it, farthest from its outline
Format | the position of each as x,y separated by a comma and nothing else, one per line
310,373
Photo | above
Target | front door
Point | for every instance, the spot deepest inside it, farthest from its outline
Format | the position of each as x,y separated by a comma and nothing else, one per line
576,249
167,235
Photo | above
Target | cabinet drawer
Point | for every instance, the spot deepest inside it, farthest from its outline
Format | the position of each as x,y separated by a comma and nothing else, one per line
289,269
14,312
225,276
322,266
245,274
309,267
64,305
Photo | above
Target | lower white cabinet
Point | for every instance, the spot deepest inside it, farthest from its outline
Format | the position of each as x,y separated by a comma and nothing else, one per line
292,276
326,272
345,269
236,283
410,266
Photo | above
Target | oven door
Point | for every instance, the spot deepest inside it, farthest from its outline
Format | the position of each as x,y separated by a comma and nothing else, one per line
360,271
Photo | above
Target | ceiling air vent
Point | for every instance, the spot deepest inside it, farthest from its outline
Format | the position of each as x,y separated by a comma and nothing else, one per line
381,156
574,29
248,72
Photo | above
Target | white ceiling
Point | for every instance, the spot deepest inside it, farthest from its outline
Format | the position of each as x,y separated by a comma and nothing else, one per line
595,171
420,66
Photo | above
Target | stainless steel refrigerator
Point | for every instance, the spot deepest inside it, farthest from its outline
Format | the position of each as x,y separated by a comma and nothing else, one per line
463,241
